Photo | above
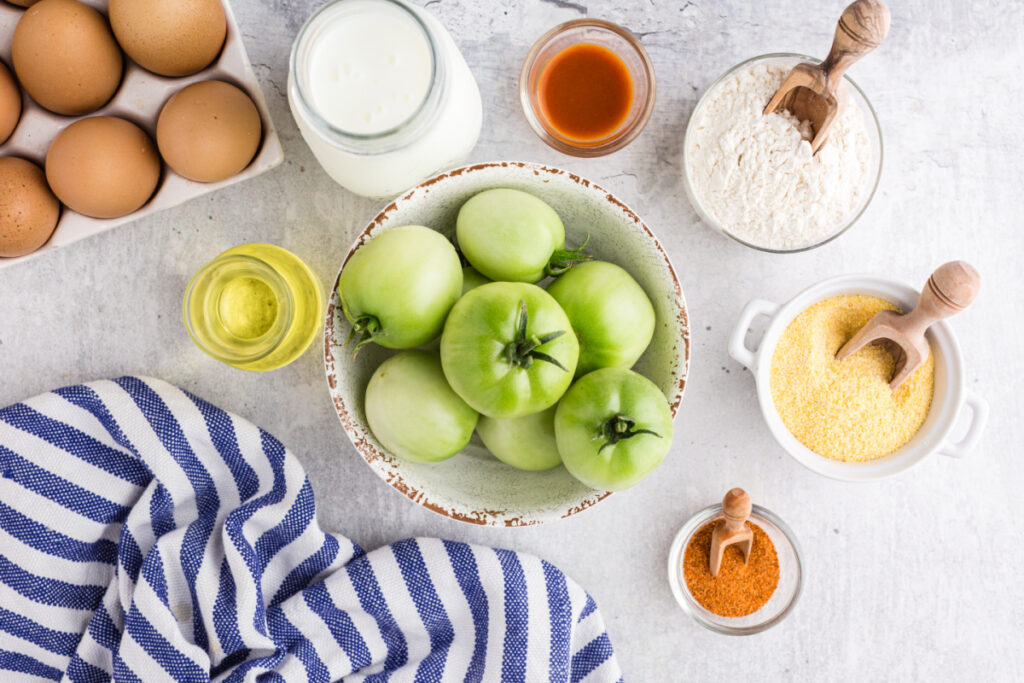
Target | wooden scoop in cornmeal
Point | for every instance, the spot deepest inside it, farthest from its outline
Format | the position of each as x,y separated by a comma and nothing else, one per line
950,289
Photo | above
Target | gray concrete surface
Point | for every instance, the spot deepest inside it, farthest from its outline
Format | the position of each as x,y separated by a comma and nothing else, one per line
916,578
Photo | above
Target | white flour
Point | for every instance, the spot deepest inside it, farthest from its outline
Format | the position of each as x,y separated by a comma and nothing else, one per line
756,175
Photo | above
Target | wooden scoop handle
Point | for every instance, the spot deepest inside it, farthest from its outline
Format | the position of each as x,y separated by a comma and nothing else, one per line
860,30
736,507
732,530
950,289
955,284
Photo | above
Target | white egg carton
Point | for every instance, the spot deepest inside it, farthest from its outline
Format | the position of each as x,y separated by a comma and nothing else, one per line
139,99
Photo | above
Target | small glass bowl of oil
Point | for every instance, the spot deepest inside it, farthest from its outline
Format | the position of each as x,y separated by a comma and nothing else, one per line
255,307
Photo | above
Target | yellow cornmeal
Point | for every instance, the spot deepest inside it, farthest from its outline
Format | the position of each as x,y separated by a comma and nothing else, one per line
845,410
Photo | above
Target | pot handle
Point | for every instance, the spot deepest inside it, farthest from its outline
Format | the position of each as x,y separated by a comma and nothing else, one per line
979,416
737,340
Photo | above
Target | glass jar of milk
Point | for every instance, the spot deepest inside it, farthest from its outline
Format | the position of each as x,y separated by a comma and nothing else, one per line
382,95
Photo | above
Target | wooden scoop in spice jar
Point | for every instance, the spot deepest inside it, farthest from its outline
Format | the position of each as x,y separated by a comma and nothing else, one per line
736,507
950,289
815,92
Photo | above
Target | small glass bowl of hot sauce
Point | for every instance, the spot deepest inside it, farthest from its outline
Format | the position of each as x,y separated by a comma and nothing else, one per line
587,87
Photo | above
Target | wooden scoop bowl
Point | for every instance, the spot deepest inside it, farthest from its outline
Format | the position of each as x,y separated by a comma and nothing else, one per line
733,529
950,289
815,92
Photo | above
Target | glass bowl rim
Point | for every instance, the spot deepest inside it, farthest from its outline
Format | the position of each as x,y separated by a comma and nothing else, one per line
689,604
710,220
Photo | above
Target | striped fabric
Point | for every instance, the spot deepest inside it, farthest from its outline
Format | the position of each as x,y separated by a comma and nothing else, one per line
146,535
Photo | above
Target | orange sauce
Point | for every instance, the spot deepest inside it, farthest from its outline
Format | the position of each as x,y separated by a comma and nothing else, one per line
585,92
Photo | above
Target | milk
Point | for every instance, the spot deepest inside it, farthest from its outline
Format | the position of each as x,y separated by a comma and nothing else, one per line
370,69
382,95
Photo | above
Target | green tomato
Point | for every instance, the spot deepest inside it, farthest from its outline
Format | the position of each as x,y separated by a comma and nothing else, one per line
512,236
397,288
471,279
508,350
610,312
413,412
526,443
613,427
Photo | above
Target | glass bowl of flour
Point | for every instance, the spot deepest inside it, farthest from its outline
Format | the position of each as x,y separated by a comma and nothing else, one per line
753,177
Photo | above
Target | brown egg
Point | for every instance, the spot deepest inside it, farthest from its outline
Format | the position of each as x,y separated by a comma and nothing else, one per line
65,57
10,103
169,38
209,131
28,209
23,3
103,166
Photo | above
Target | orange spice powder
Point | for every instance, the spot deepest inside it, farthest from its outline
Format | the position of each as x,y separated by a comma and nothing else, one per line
739,589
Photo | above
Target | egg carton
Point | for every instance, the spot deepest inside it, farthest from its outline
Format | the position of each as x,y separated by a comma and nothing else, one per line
139,99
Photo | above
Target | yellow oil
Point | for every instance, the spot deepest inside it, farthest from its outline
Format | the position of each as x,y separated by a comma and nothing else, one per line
255,307
247,307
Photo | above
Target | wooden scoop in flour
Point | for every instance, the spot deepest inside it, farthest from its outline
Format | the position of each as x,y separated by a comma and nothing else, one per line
733,529
950,289
815,92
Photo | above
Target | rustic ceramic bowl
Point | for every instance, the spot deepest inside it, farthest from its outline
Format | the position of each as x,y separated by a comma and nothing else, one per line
950,397
474,486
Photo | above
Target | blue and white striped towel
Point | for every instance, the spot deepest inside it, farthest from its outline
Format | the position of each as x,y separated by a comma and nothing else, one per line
147,535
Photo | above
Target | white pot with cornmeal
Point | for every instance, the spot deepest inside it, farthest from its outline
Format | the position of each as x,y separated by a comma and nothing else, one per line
831,408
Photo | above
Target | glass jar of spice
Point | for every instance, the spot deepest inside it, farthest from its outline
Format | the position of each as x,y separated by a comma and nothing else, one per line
745,590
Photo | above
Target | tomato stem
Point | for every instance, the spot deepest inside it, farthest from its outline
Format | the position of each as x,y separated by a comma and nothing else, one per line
367,327
619,427
564,259
522,350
